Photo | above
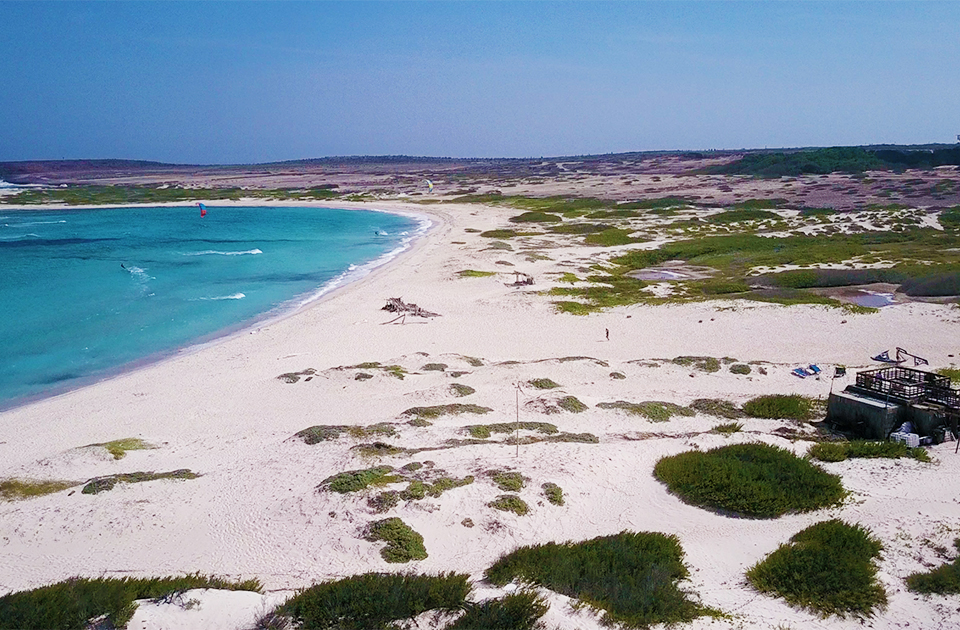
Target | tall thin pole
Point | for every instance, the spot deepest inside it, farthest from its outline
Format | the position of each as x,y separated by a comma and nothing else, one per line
518,420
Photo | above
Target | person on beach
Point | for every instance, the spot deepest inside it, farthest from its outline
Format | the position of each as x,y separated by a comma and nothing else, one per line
608,333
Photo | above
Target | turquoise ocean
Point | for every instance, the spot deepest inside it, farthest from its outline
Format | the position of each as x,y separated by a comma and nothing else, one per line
85,293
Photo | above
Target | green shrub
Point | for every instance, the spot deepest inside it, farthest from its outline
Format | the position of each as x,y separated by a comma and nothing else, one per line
571,404
543,383
510,481
459,390
384,502
780,407
434,367
320,433
483,431
952,373
510,503
403,544
119,448
631,576
375,600
740,368
103,484
553,492
536,217
472,273
839,451
944,580
717,407
71,604
518,611
443,410
611,237
727,429
356,480
653,410
735,216
371,430
442,484
479,431
749,480
704,364
377,449
15,489
828,568
579,228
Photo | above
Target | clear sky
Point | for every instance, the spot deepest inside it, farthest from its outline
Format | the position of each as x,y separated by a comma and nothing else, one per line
242,82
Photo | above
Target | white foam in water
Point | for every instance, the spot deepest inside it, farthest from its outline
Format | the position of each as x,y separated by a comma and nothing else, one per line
32,223
235,296
209,252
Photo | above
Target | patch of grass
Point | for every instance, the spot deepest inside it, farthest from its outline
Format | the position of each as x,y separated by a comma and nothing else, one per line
473,361
951,372
727,429
506,234
396,371
944,580
509,481
384,502
760,204
578,228
356,480
950,218
717,407
442,484
612,237
553,492
473,273
704,364
103,484
780,407
484,430
403,544
69,605
571,404
434,367
653,410
829,568
543,383
377,449
420,422
375,600
445,410
536,217
740,368
293,377
510,503
755,480
119,448
632,577
459,390
839,451
321,433
518,611
736,216
605,292
479,431
582,438
372,430
16,489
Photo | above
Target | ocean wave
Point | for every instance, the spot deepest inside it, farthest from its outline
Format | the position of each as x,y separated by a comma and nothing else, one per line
19,237
33,223
235,296
209,252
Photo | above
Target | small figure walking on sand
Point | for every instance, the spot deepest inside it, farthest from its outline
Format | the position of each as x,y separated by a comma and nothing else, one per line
608,333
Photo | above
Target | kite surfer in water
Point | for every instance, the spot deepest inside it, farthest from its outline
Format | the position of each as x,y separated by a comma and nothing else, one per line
203,209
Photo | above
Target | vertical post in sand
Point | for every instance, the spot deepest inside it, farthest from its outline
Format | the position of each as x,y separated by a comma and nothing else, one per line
518,420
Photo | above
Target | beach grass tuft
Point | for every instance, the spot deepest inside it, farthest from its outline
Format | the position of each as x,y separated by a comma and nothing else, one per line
517,611
473,273
717,407
509,481
16,489
553,492
839,451
510,503
704,364
780,407
104,484
943,580
356,480
484,431
119,448
572,404
754,480
71,604
460,390
632,577
375,600
829,568
543,383
434,367
652,410
727,429
403,544
445,410
740,368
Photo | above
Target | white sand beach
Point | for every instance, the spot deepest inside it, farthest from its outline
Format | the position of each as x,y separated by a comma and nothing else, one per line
255,510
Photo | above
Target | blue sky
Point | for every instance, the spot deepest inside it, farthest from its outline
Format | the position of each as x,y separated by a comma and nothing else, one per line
241,82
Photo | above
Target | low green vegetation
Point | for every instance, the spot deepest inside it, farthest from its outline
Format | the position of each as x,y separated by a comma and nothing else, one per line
403,544
950,218
509,481
104,484
943,580
742,214
460,390
839,451
473,273
101,195
553,492
483,431
727,429
755,480
818,161
377,449
717,407
356,480
71,604
703,364
434,367
652,410
828,568
325,432
506,234
780,407
375,600
510,503
632,577
16,489
454,409
543,383
952,373
611,237
294,377
536,217
740,368
517,611
119,448
572,404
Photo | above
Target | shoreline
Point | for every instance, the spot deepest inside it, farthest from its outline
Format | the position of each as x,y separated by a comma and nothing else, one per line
427,221
226,413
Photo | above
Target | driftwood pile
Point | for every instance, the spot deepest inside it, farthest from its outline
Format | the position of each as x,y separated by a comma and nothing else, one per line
521,279
397,305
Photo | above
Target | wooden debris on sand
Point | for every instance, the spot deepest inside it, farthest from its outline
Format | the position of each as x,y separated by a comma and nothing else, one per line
522,279
397,305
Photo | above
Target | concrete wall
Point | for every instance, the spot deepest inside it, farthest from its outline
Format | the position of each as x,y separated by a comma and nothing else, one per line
866,417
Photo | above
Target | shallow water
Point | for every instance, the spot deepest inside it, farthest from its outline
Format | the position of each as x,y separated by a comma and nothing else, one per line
84,292
873,300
